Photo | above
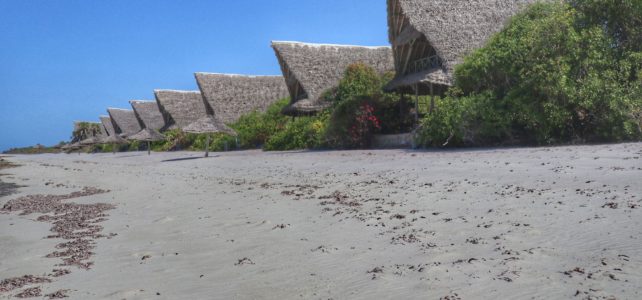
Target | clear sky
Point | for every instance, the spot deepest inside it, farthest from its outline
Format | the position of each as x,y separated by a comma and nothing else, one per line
68,60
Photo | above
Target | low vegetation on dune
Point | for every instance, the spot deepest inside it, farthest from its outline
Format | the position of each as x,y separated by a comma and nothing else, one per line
559,73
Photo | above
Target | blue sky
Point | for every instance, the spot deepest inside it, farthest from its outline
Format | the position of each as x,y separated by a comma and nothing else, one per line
69,60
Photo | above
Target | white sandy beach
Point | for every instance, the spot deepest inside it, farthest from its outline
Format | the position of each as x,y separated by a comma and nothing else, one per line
529,223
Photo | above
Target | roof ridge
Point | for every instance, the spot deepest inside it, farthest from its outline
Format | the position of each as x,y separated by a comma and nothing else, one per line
177,91
326,45
237,75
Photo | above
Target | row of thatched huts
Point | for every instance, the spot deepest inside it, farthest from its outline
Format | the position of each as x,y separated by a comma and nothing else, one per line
428,39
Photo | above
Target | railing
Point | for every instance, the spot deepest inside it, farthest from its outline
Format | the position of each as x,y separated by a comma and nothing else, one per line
425,63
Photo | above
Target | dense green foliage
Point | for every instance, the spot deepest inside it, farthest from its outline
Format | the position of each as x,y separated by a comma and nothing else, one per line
269,130
558,73
361,109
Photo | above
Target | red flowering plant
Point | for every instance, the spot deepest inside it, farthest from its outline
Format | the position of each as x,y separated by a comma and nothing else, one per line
365,124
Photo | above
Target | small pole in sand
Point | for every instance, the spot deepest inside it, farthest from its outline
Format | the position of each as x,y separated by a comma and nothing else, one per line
207,146
149,148
113,148
416,104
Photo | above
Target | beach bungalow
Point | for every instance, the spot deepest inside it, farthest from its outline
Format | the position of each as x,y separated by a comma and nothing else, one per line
124,121
312,69
180,108
148,114
108,125
430,37
231,96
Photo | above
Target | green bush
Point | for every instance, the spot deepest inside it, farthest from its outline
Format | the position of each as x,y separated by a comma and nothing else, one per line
299,133
361,109
175,140
558,73
256,128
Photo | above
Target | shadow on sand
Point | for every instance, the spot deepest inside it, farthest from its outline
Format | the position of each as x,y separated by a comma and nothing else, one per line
187,158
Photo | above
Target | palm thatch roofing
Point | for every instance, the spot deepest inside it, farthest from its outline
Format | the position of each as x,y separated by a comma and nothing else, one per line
180,108
209,124
108,125
114,139
148,114
125,121
312,69
91,141
147,135
430,37
231,96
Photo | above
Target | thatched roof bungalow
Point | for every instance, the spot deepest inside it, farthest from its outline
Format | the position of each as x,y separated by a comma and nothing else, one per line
430,37
231,96
108,125
180,108
125,122
148,114
312,69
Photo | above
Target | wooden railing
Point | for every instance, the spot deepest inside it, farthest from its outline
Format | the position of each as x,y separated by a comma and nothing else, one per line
425,63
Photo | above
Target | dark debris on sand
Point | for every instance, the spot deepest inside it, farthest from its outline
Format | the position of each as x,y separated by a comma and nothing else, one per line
76,223
59,294
10,284
30,293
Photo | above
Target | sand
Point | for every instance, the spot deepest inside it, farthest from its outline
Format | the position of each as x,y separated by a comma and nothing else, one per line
526,223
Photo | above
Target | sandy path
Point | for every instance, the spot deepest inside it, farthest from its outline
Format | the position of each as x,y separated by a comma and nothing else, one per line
544,223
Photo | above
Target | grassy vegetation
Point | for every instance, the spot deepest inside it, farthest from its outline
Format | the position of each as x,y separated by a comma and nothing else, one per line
558,73
33,150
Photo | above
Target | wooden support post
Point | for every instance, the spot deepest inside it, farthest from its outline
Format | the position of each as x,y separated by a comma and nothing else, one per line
207,146
416,104
432,99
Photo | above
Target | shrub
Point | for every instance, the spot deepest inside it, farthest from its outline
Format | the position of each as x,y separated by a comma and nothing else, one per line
176,139
300,133
553,75
359,80
256,128
361,109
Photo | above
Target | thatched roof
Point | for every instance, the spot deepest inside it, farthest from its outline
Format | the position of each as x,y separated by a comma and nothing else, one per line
312,69
180,108
125,121
148,114
209,124
108,125
91,141
147,135
114,139
231,96
446,30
